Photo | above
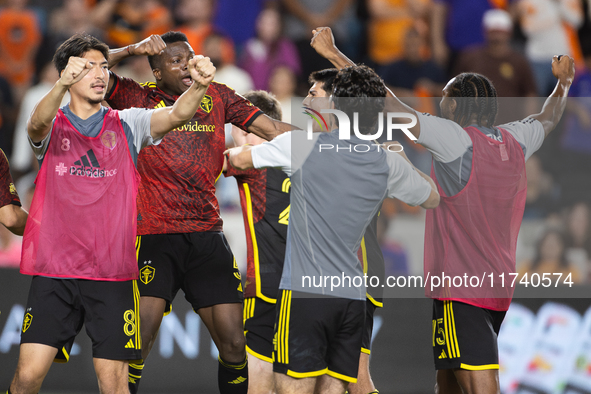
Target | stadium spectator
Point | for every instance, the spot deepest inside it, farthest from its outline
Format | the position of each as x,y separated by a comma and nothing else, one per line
549,26
268,50
304,15
550,257
20,37
389,22
219,49
543,194
74,16
282,83
455,26
413,75
578,236
196,22
129,21
507,69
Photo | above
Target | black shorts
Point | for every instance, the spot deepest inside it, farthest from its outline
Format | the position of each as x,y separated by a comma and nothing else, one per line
317,336
370,309
57,309
259,324
465,336
200,263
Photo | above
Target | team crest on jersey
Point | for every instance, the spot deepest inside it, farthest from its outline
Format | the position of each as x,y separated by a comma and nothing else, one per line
12,189
147,274
109,139
206,103
27,321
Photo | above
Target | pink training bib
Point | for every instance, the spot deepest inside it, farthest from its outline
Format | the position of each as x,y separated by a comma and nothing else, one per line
82,222
473,235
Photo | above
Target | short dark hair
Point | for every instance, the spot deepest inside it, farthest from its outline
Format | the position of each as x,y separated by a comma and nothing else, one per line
360,89
266,102
477,96
326,77
169,37
78,45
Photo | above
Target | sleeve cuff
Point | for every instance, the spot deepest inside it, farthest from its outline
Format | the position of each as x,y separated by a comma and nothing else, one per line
251,119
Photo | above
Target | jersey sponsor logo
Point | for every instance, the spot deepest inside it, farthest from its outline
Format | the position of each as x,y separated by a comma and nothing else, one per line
206,103
61,169
147,274
87,166
109,139
12,188
27,321
194,126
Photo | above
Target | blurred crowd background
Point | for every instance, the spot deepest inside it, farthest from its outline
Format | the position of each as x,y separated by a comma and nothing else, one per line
415,45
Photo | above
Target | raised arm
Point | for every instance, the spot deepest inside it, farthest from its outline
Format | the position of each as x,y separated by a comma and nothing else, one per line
324,44
563,68
39,123
168,118
150,46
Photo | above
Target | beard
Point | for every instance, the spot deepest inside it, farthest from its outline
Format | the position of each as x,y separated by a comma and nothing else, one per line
95,101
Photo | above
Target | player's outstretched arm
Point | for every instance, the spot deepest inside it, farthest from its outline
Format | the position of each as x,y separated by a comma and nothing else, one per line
150,46
14,218
166,119
42,116
563,68
324,44
269,128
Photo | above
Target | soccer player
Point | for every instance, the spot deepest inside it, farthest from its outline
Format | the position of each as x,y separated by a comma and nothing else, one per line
479,169
264,197
181,243
12,215
79,243
369,253
334,195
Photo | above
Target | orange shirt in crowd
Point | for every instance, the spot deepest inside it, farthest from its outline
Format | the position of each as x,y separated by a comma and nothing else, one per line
386,35
20,36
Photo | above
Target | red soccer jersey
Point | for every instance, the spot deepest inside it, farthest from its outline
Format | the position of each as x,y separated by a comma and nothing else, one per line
8,194
177,191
